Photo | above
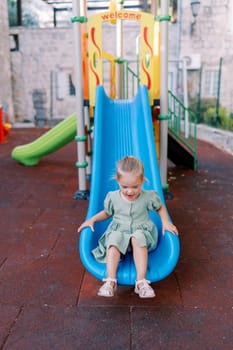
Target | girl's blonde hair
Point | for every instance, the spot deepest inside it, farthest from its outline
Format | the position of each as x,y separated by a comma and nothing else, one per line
131,165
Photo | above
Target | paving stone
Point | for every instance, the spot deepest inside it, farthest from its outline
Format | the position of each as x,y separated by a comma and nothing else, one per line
180,328
9,314
51,281
59,328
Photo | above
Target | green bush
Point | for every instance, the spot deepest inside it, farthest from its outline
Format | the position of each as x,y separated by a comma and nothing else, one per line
200,107
205,111
226,122
209,117
222,121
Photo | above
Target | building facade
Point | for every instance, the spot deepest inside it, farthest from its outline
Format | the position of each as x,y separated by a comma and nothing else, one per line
38,61
207,43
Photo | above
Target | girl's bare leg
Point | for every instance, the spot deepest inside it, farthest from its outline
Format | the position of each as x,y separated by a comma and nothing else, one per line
142,287
140,255
112,260
110,283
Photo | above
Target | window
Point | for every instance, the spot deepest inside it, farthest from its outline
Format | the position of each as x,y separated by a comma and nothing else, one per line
71,86
14,13
211,83
173,6
14,42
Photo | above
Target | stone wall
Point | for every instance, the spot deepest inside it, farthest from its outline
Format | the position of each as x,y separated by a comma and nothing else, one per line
40,71
212,38
5,74
43,64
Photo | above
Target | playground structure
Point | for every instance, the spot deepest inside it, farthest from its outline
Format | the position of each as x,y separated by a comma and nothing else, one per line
129,130
121,127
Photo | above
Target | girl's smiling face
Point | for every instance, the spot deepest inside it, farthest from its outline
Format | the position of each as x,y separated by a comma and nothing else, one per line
130,186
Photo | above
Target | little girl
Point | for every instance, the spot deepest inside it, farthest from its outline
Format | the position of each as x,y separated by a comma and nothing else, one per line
131,226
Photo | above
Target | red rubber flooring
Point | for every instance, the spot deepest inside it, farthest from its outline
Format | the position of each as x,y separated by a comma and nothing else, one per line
48,301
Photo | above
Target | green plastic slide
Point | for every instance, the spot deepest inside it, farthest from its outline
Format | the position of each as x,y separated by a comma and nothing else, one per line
49,142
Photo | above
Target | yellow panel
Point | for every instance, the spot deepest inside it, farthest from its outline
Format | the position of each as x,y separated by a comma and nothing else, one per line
94,55
113,8
156,73
149,60
149,50
112,77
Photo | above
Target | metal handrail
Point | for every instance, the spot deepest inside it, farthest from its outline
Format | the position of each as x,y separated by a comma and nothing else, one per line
183,124
130,75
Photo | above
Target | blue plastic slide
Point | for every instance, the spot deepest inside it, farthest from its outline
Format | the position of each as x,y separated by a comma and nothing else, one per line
124,127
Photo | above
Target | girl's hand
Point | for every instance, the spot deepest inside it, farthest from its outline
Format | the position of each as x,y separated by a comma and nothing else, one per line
87,223
168,226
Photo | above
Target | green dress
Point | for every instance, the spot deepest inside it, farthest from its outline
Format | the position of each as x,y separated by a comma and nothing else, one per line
130,219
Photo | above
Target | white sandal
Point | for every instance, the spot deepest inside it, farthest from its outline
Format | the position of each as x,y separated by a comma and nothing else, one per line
143,289
107,290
